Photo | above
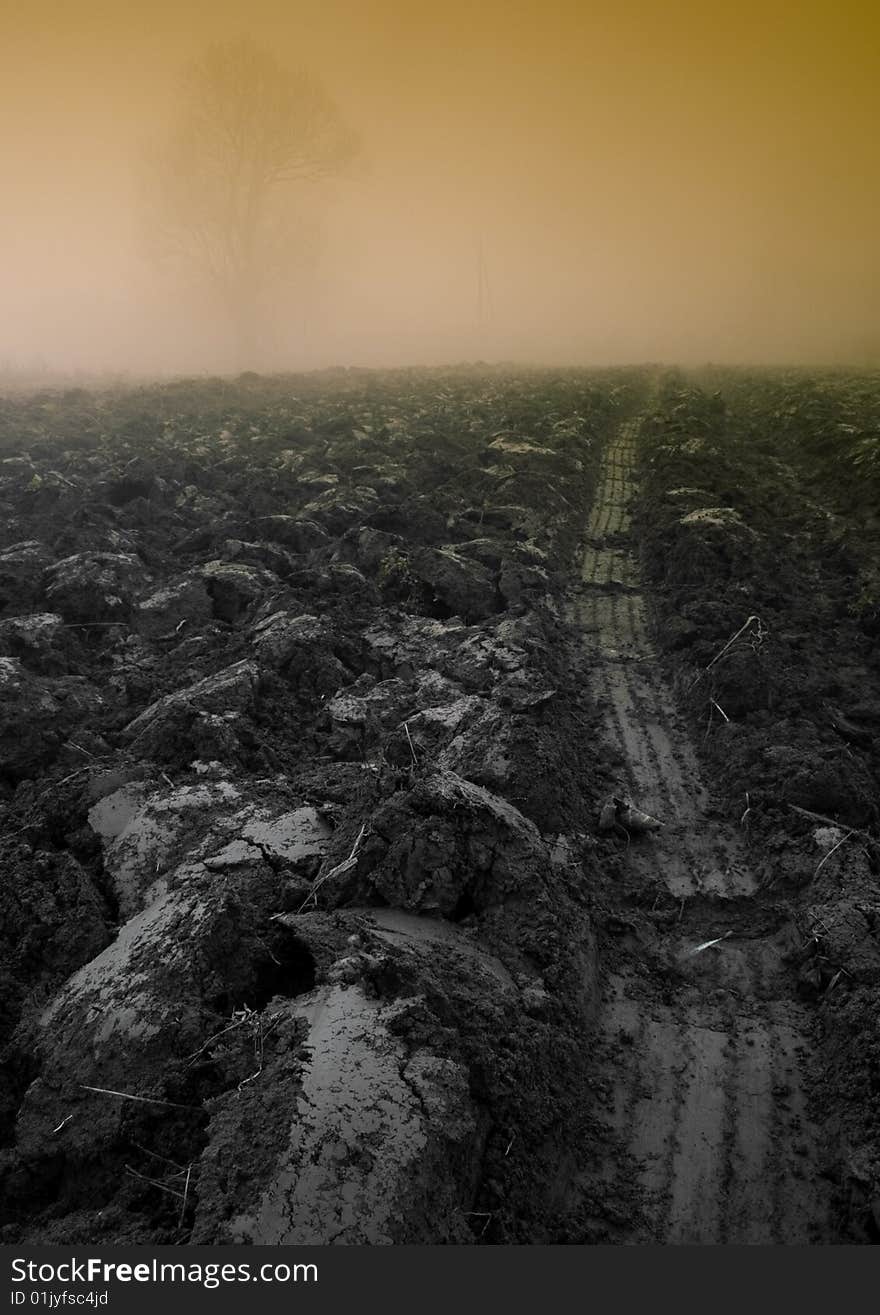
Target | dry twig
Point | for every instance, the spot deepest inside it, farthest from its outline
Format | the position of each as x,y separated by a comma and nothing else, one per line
156,1156
185,1195
706,945
832,850
411,746
154,1182
827,821
144,1100
340,870
756,640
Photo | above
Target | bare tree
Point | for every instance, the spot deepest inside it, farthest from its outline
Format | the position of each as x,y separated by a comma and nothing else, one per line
226,185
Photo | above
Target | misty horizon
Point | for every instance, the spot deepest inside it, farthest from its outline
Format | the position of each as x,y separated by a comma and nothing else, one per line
554,186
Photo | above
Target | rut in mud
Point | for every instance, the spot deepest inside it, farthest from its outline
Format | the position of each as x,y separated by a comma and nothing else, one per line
706,1058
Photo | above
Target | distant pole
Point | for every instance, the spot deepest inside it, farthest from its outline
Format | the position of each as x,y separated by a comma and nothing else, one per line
484,293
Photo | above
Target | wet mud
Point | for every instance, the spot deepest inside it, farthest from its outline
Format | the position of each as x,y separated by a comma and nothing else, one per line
326,706
707,1067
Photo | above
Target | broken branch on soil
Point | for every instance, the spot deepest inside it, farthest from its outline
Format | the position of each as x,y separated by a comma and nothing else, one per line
727,647
236,1022
185,1195
154,1182
832,850
828,821
340,870
80,749
835,979
479,1214
706,945
411,746
156,1156
144,1100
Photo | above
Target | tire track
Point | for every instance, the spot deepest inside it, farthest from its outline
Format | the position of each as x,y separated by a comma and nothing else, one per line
705,1069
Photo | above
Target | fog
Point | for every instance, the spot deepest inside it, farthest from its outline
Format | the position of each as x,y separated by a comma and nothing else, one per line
553,182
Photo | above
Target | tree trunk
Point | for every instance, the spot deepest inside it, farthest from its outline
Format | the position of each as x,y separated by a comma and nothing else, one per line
247,336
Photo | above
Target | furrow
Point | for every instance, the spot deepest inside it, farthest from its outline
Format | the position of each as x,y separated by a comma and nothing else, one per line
706,1074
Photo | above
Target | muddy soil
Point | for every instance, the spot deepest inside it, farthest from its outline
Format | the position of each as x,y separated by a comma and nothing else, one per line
756,532
706,1048
292,723
314,692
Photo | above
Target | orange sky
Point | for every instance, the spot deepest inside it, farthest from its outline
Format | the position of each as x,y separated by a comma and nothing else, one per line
650,181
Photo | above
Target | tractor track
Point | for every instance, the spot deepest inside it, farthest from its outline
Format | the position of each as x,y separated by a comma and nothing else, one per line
705,1069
